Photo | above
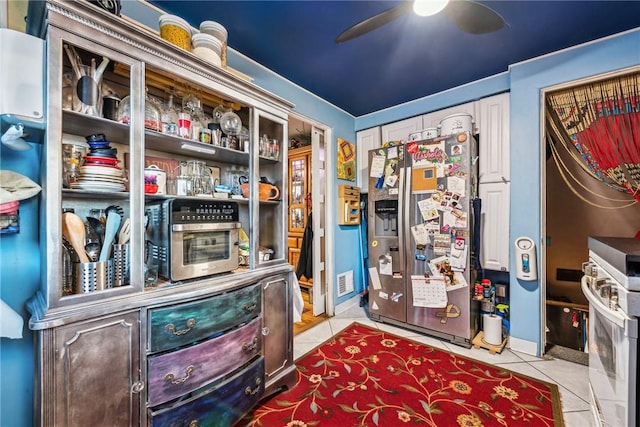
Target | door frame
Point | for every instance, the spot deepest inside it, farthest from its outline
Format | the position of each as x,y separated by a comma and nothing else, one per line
329,165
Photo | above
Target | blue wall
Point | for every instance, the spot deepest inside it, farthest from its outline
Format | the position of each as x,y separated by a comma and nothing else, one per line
19,280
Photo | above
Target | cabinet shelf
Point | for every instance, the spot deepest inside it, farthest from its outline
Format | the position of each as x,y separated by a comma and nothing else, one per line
85,194
170,196
81,124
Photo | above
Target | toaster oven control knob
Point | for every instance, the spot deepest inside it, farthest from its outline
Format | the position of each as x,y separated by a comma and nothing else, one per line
605,290
586,268
599,284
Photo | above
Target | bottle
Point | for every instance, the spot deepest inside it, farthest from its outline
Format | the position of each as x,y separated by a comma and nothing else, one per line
196,124
478,290
170,118
264,145
486,285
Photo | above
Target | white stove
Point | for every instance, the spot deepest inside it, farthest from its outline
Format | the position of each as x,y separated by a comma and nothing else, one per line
612,286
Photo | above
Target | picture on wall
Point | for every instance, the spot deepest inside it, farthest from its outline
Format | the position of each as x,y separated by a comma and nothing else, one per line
346,160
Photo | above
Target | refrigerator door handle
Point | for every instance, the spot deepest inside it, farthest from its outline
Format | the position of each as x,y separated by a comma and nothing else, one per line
405,173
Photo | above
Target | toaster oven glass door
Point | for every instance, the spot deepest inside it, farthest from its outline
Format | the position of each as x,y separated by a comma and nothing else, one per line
203,249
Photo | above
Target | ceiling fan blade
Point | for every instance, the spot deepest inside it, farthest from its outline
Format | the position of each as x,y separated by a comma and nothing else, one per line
374,22
474,18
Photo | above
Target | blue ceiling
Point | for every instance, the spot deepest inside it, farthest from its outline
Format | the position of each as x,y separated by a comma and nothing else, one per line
406,59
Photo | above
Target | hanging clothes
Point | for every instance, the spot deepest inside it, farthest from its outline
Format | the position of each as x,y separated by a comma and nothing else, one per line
305,262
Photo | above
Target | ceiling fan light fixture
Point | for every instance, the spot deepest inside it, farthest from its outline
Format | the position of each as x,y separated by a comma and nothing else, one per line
428,7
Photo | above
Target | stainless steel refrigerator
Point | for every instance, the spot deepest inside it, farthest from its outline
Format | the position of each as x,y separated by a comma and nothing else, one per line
420,240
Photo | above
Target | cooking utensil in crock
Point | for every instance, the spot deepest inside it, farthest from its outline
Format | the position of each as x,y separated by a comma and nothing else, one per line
115,208
93,250
96,226
125,232
73,230
113,223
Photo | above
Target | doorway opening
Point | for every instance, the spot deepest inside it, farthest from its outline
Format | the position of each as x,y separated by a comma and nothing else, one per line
575,206
306,241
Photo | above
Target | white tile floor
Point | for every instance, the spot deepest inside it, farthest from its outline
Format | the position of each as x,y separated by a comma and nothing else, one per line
572,379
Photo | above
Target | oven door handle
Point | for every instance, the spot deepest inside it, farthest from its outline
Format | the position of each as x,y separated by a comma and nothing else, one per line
209,226
617,317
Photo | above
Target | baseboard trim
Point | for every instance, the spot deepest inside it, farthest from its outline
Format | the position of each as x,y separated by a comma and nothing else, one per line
523,346
348,304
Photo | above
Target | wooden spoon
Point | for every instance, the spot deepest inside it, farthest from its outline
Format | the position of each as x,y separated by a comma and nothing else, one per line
73,230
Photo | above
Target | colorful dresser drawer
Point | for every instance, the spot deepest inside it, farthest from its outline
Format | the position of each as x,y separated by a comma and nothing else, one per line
173,374
177,325
218,406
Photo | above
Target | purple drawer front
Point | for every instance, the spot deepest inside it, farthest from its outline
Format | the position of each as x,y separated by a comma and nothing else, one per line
173,374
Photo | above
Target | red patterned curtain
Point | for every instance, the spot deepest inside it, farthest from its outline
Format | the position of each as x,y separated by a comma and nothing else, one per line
599,124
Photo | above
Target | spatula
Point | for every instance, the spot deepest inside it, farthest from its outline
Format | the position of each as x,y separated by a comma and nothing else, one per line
73,230
113,223
125,232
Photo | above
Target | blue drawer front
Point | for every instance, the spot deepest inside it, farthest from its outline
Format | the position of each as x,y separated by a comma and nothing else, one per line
218,406
182,324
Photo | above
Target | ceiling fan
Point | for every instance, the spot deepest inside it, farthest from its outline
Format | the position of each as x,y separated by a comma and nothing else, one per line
468,15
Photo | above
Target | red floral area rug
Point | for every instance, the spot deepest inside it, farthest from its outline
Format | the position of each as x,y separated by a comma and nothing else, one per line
367,377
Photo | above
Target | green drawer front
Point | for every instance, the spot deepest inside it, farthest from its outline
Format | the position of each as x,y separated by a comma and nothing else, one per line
181,324
218,406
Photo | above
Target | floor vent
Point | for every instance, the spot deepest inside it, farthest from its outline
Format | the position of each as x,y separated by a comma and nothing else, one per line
345,283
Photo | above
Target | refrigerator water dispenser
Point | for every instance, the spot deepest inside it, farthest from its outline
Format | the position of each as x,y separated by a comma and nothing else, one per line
386,218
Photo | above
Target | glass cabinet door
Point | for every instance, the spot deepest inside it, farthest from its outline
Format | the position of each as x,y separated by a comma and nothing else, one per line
91,234
299,191
269,182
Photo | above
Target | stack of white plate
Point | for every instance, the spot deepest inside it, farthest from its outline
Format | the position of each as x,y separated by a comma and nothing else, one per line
99,178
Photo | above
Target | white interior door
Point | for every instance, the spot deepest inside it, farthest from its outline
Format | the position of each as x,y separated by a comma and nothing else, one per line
318,194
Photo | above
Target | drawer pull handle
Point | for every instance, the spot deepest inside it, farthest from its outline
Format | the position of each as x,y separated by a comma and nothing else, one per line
250,392
250,308
171,328
250,347
170,378
137,387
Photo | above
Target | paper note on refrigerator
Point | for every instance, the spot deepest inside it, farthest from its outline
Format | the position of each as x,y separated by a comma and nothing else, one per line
456,185
420,234
375,280
428,292
377,166
385,264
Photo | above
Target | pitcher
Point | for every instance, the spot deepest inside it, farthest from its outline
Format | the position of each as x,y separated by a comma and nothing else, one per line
87,82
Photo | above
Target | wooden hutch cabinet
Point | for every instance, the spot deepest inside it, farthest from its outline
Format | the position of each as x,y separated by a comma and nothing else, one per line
299,203
149,350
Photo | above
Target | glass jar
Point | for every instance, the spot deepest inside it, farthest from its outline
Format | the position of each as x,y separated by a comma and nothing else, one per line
72,158
230,123
218,31
170,118
176,31
152,113
207,47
